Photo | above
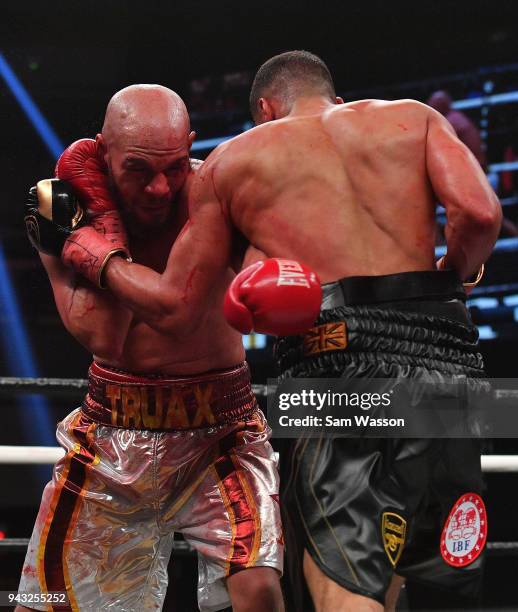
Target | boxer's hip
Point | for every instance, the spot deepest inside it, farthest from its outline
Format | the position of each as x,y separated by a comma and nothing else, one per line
387,326
162,403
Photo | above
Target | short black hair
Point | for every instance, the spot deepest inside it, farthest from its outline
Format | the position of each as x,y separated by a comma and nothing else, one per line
290,75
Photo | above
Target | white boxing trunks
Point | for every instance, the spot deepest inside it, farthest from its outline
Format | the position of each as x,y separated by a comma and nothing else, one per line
146,457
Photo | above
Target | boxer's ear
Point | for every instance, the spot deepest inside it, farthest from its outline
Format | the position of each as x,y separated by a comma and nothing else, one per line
339,100
192,136
101,144
266,111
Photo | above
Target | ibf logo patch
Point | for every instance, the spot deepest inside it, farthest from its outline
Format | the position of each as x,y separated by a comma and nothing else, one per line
465,531
393,530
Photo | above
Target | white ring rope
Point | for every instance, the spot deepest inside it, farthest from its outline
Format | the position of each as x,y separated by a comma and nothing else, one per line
18,455
32,455
499,463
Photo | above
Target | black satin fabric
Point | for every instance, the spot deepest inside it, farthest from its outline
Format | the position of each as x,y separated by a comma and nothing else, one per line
335,490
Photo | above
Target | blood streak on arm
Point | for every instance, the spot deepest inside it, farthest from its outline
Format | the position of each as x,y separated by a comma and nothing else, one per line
81,302
188,285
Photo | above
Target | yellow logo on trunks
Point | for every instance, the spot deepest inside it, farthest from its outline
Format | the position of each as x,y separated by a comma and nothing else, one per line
393,530
327,337
154,407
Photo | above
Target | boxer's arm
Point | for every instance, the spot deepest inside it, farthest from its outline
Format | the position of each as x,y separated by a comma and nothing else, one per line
468,133
473,210
91,315
177,300
252,256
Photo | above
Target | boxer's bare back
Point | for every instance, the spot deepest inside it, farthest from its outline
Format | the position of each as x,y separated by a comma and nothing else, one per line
351,189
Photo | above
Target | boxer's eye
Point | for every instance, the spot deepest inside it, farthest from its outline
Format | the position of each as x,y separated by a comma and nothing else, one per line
135,166
178,166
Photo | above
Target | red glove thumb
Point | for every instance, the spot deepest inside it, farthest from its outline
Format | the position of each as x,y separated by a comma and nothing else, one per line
82,165
276,296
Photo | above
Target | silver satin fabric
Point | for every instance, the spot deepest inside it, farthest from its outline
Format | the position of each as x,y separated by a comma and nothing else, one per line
142,487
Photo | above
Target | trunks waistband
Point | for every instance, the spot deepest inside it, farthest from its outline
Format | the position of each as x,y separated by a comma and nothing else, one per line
120,399
392,325
423,285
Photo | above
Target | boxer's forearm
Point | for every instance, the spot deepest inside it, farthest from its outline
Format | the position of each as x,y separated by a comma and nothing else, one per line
472,228
146,293
469,244
91,316
473,211
178,300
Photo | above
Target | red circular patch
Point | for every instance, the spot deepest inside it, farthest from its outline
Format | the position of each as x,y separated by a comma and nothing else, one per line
465,532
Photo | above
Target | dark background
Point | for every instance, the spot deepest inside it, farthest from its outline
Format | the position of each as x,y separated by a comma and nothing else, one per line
72,56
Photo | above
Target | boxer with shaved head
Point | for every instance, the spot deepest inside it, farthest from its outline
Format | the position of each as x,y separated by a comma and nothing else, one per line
169,436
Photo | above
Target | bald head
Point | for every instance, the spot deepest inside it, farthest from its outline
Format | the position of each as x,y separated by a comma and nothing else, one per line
146,113
145,144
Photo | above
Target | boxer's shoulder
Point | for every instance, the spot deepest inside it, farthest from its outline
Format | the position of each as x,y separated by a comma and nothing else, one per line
379,119
230,156
383,107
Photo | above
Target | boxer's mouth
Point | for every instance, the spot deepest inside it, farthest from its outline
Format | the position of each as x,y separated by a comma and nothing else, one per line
156,207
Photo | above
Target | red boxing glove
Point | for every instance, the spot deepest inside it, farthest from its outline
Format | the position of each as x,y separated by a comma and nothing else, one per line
276,296
82,166
87,252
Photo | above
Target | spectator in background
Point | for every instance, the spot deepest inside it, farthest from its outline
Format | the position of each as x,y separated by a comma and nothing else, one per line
465,129
469,134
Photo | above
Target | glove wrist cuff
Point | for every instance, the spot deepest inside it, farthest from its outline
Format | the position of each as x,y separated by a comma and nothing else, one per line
100,277
88,253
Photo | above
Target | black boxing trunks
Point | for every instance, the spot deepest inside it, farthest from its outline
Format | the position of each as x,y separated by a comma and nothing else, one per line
365,508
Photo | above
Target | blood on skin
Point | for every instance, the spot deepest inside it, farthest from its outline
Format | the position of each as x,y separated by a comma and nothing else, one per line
188,284
225,213
84,302
403,127
88,308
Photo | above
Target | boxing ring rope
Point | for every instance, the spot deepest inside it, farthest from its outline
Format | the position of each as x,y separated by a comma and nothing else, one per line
47,455
11,384
490,100
30,455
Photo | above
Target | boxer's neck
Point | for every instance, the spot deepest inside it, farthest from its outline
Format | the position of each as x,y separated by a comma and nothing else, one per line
314,105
